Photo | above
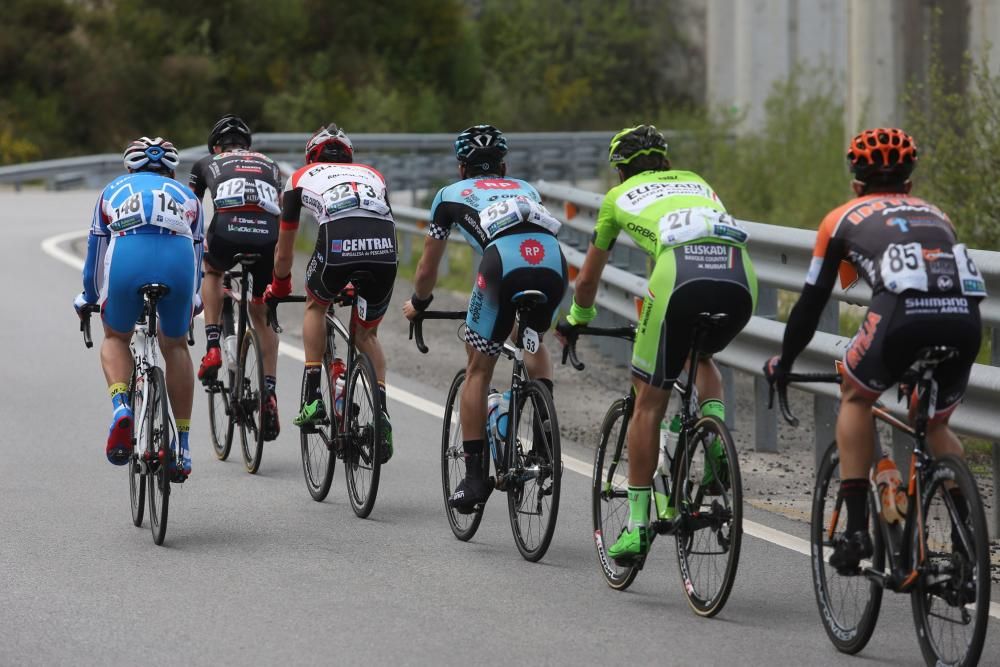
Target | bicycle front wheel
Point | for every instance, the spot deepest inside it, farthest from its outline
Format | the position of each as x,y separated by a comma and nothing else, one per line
848,604
708,496
251,401
951,598
464,526
363,448
609,494
136,478
535,472
157,431
318,461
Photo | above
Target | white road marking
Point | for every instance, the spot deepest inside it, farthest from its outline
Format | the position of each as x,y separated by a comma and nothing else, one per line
51,247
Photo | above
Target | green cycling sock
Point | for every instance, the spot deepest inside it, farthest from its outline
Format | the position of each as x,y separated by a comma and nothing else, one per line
638,506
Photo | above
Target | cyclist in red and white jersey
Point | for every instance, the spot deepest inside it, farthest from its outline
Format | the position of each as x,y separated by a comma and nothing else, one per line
356,233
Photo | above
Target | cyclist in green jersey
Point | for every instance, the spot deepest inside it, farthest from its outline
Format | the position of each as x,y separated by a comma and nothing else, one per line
701,265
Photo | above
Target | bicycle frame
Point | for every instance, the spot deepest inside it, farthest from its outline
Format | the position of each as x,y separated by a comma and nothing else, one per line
145,356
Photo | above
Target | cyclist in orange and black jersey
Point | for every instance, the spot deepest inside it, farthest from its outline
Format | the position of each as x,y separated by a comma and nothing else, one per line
925,291
245,188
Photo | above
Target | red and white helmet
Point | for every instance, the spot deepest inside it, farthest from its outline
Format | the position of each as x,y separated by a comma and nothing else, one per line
329,144
145,154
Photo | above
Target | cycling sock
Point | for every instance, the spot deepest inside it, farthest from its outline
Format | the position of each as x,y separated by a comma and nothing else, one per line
270,383
213,333
381,393
855,495
638,506
310,377
119,394
183,431
473,458
713,407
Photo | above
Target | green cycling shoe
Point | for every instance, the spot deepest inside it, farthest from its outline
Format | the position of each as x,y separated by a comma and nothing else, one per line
312,413
716,462
631,545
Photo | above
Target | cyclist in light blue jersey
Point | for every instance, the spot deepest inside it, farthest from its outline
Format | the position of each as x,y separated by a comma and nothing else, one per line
147,228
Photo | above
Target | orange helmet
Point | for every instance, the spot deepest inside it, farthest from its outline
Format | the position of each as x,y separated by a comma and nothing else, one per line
886,154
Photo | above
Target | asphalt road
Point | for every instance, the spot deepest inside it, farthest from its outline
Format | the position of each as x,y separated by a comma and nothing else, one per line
255,572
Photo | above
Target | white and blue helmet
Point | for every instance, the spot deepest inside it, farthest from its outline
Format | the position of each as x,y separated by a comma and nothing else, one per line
145,154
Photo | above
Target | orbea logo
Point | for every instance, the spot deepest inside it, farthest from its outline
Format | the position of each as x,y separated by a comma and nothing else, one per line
532,251
336,246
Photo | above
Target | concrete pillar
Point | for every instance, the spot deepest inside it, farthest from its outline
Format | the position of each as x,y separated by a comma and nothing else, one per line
762,52
875,64
984,32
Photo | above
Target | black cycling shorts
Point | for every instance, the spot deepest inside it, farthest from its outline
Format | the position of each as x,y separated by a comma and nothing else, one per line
244,232
348,246
895,329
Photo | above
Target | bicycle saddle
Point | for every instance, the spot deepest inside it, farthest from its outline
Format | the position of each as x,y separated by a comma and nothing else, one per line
934,355
154,290
247,258
710,320
528,298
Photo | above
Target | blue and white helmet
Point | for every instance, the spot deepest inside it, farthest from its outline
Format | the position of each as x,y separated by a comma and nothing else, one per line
145,154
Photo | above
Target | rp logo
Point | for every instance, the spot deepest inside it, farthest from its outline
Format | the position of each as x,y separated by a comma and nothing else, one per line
532,251
480,281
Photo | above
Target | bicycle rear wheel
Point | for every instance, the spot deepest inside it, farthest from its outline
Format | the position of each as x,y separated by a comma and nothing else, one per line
464,526
160,453
318,461
951,598
535,466
609,494
363,448
848,605
708,495
136,478
251,401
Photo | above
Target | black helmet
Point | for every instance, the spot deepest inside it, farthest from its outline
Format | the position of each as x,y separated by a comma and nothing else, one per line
230,124
480,143
632,142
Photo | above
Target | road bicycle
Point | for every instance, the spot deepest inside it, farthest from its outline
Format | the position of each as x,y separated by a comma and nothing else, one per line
704,508
355,432
156,458
527,461
940,558
237,395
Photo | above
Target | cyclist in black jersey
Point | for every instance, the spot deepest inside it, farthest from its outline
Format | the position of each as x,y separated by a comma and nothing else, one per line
245,187
925,291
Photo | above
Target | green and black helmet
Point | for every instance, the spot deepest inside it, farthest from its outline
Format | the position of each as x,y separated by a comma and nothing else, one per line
632,142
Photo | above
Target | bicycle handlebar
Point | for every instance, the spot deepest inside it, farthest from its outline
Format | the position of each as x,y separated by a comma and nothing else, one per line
85,313
272,309
417,323
782,391
572,333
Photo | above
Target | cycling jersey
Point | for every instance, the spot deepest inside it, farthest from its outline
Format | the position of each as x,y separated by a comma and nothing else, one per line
146,228
357,233
488,207
662,209
244,187
701,265
905,248
331,191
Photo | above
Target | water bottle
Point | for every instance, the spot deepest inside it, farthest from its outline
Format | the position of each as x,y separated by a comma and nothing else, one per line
229,348
502,409
669,435
492,413
337,371
892,496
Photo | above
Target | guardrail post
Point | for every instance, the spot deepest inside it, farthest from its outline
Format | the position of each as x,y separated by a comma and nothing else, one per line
765,422
729,393
825,409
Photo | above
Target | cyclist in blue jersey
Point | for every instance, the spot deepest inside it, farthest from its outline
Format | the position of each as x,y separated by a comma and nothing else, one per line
146,228
503,219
